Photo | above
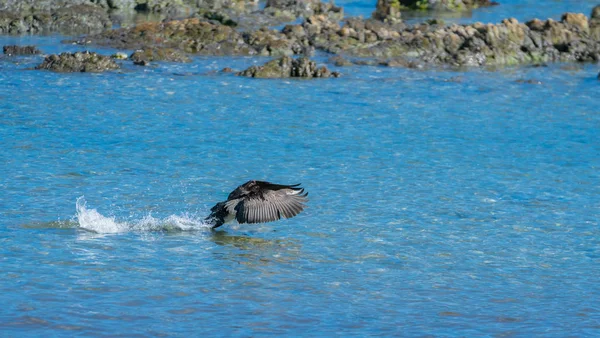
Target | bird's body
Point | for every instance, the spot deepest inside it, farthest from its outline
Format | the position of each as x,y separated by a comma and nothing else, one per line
259,202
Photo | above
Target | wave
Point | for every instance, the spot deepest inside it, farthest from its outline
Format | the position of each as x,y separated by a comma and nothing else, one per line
91,220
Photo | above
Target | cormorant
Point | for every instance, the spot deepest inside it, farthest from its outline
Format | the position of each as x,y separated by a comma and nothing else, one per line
259,202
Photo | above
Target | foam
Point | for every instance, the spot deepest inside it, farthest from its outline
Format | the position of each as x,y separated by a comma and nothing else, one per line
91,220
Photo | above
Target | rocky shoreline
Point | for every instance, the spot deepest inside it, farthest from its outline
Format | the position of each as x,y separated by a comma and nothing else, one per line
222,28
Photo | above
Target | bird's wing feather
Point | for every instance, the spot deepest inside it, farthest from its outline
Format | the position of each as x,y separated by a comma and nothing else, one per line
270,205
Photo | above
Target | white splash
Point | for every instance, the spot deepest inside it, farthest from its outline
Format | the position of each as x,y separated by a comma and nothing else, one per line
92,220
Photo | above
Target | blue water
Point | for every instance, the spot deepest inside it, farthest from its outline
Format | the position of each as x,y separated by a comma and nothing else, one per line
441,203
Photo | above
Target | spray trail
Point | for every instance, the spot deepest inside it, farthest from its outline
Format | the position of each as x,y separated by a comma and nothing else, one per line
91,220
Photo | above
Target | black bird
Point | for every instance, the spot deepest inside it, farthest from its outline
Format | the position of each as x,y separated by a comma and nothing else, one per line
259,202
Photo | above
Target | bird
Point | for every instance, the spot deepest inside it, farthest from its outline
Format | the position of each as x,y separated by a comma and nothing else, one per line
259,202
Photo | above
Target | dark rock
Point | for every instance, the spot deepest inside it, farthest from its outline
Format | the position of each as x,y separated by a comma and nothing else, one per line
220,17
529,81
197,36
227,70
387,10
595,13
78,62
80,19
455,79
20,50
594,23
286,66
305,8
87,16
159,54
76,19
141,63
32,6
445,5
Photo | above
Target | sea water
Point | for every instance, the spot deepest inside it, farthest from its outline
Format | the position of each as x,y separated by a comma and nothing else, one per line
444,203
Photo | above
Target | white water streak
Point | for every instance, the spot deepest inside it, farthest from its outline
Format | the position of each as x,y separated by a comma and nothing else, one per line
92,220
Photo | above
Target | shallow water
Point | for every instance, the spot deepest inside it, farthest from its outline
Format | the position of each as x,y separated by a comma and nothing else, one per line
441,203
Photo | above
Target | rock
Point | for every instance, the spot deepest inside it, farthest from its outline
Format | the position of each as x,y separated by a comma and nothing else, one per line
220,18
198,36
529,81
39,16
305,8
506,43
141,63
339,61
594,23
286,66
76,19
576,19
595,13
33,6
455,79
159,54
80,19
401,62
122,4
387,11
445,5
78,62
20,50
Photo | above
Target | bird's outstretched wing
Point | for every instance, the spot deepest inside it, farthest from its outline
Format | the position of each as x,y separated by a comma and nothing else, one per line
266,202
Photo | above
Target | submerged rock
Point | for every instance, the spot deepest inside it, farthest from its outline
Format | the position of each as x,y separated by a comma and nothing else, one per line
286,66
340,61
78,62
20,50
529,81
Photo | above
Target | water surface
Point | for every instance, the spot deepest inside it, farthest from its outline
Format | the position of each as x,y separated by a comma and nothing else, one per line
442,203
